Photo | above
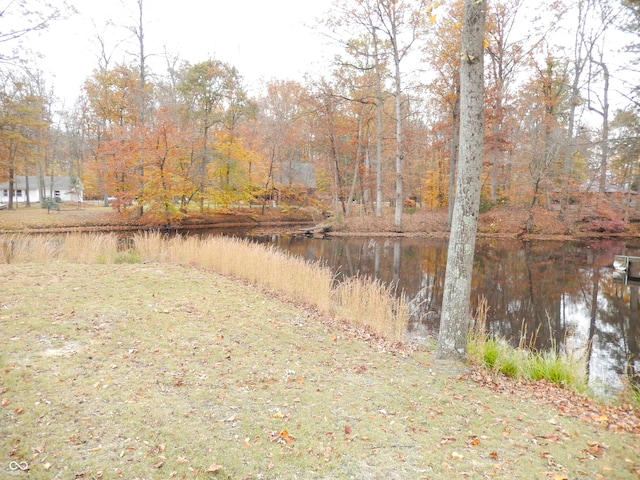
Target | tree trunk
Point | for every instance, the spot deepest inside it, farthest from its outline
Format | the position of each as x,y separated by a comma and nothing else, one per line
397,219
379,106
453,156
604,155
454,321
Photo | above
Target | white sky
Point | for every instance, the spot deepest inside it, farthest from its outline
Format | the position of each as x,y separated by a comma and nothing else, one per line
262,39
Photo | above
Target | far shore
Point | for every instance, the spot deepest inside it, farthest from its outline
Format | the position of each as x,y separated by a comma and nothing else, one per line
497,223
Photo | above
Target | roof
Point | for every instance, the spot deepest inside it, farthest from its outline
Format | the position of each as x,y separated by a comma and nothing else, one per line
298,172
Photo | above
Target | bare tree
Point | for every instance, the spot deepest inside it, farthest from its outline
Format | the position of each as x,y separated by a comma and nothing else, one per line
398,20
18,19
454,321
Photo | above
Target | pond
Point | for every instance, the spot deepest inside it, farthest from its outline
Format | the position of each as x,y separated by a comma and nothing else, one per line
547,294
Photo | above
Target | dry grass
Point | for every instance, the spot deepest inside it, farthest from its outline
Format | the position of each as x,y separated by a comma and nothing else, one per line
156,370
373,305
265,266
69,215
359,301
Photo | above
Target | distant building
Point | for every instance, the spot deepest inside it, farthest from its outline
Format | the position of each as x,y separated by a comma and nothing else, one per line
59,188
301,173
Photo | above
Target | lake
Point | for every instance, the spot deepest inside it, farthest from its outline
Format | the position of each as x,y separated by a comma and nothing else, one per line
549,294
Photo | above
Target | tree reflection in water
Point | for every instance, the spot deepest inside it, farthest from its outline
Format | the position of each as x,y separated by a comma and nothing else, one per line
551,295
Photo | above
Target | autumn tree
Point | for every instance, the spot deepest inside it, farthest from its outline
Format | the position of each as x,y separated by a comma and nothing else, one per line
543,103
355,27
359,74
207,92
625,161
441,52
23,126
113,110
393,27
631,25
454,320
599,80
339,136
283,139
401,24
165,157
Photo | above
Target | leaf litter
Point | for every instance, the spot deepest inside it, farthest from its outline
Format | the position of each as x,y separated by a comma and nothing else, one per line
166,369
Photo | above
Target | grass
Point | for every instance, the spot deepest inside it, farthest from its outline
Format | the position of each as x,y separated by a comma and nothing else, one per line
160,370
70,214
498,356
365,303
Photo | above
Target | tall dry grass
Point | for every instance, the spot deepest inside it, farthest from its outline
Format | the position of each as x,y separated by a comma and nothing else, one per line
372,304
357,300
80,248
264,266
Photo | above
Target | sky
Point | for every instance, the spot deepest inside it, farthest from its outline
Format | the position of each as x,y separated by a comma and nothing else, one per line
262,39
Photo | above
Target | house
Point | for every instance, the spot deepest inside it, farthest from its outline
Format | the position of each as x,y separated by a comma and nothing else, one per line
61,189
301,173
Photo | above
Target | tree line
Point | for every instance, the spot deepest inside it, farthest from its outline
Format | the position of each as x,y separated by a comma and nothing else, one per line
380,127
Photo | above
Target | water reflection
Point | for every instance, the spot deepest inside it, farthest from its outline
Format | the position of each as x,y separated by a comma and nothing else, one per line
552,294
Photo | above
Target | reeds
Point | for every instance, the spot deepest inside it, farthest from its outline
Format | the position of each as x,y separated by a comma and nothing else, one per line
372,304
360,301
76,248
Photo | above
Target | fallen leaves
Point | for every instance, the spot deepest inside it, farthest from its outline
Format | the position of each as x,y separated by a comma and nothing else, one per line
214,467
616,418
282,436
595,448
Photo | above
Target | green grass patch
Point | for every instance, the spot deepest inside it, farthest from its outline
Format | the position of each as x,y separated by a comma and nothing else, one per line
498,356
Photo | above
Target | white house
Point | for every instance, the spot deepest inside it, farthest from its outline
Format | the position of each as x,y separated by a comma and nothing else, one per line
59,188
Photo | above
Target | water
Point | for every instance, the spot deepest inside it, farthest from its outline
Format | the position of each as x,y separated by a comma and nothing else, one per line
553,294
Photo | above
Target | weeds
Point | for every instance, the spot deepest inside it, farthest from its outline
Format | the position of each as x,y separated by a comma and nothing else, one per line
634,395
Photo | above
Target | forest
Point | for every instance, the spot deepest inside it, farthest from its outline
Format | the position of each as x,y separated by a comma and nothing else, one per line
379,129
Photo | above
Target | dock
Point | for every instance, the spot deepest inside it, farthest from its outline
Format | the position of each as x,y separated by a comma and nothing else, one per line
626,270
320,230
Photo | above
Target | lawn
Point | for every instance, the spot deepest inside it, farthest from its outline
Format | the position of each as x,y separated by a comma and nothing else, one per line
153,370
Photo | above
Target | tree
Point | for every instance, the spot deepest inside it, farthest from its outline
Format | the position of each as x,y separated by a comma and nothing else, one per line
25,17
280,135
392,26
598,99
542,108
625,165
454,320
23,125
399,20
369,52
631,25
442,53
